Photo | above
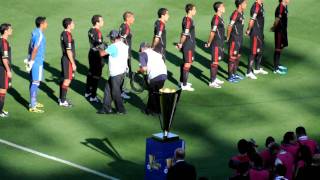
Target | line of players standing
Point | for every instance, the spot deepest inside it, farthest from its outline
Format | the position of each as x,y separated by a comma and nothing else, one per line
187,45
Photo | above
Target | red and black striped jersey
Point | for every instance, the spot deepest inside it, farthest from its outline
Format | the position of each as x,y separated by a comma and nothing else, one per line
282,14
237,23
67,43
95,37
188,29
257,14
125,33
5,51
217,26
160,32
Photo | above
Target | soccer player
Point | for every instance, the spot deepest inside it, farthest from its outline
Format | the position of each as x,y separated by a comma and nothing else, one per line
255,30
216,42
235,39
118,56
5,69
68,64
187,44
280,32
37,48
96,62
160,35
151,63
126,36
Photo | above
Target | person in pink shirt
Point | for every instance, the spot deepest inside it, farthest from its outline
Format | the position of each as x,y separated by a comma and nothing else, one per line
257,172
285,158
304,162
242,157
289,144
305,140
268,155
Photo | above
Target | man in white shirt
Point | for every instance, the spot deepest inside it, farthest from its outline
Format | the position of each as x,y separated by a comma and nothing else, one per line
118,55
152,64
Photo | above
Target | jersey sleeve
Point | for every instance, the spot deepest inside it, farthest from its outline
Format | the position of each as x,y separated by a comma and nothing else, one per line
255,10
233,18
143,58
279,11
159,29
186,25
112,50
36,39
67,40
4,49
214,24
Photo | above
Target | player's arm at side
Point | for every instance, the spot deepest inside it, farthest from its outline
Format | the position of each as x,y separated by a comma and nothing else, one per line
253,18
213,31
143,58
231,24
156,39
5,59
185,33
67,40
278,15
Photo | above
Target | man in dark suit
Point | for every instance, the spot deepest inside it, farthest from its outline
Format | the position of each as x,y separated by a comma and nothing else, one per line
181,170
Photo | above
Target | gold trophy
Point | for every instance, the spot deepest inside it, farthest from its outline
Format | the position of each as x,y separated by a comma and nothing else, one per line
168,102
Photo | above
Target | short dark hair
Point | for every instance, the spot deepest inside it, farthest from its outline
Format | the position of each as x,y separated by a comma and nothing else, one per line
95,19
216,5
189,7
39,20
179,154
300,131
287,137
4,27
66,22
269,140
238,2
162,12
126,15
280,1
243,146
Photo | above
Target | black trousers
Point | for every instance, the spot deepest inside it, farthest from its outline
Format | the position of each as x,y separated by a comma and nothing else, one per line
112,91
153,104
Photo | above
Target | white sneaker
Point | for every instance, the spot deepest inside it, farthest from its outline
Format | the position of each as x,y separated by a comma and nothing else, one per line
95,99
187,88
251,76
214,85
263,72
218,81
125,96
188,84
256,71
4,114
65,103
87,95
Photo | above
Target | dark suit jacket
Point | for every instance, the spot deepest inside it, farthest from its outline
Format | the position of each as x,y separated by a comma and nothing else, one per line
182,171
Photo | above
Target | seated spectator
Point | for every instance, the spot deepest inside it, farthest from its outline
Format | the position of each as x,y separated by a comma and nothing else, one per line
304,139
280,172
257,172
285,158
268,156
181,169
243,172
242,157
304,162
289,144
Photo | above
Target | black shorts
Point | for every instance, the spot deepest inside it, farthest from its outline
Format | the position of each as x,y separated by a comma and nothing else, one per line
256,44
96,63
188,53
234,48
66,66
4,80
216,54
280,40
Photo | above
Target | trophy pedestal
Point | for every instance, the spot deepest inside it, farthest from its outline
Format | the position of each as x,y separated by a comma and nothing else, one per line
169,137
159,157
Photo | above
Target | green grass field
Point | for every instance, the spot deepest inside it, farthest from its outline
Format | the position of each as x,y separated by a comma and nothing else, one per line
211,121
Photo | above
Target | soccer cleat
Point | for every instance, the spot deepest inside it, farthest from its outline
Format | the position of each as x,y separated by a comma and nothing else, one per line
39,105
86,95
218,81
188,84
187,88
251,76
94,99
238,76
65,103
278,71
124,95
232,79
262,71
214,85
4,114
36,110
